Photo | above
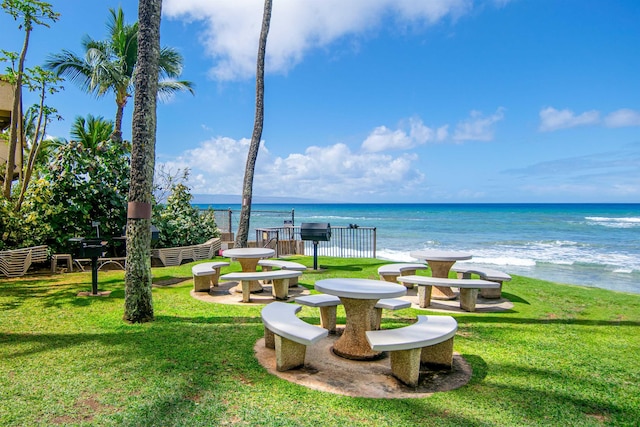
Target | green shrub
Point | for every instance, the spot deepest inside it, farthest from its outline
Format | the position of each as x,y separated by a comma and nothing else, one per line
180,223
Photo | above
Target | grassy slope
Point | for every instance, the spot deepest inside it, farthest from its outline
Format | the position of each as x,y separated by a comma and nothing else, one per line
565,355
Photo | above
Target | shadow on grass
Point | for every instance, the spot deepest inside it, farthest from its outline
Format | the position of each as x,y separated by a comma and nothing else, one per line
480,367
491,318
514,298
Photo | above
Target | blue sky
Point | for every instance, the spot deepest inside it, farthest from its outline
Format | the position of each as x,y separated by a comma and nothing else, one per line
390,100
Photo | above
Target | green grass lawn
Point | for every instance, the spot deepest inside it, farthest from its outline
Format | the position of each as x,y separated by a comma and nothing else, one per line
565,355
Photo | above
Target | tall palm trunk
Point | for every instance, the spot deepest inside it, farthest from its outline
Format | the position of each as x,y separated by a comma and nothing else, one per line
138,299
247,186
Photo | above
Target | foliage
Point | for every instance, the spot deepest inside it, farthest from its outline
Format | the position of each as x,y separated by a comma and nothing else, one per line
78,187
90,132
28,12
109,65
180,223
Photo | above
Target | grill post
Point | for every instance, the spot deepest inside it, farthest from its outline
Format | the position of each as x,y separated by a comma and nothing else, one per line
315,231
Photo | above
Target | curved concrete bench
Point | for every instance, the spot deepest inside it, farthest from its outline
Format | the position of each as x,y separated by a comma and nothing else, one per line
428,341
390,272
468,289
206,275
279,288
288,334
328,306
269,264
465,271
387,304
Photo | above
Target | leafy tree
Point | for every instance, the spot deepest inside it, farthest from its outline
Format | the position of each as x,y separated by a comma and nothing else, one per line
29,12
76,188
182,224
252,155
35,122
109,66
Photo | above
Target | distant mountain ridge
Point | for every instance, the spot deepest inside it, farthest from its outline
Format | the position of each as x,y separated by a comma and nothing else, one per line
236,199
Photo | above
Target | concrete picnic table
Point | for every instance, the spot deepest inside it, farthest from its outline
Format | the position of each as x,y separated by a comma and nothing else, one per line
248,259
440,263
359,297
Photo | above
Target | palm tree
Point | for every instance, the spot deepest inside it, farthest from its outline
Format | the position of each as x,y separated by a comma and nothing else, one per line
109,65
91,131
138,303
247,186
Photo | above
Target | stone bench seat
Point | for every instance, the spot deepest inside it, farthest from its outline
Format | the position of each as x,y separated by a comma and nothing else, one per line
206,275
387,304
288,334
390,272
280,278
269,264
327,305
428,341
468,289
465,271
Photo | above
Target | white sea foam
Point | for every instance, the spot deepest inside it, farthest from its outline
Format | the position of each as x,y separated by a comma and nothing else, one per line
627,222
504,261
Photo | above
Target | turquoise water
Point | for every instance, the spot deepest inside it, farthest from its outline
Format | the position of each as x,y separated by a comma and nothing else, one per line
584,244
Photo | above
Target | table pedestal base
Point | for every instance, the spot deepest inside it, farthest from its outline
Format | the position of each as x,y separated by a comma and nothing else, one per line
249,264
353,343
441,269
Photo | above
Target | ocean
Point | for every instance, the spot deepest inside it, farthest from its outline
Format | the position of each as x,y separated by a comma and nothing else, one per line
595,245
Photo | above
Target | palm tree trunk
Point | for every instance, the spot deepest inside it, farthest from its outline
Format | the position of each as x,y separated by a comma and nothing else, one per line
117,129
247,186
138,298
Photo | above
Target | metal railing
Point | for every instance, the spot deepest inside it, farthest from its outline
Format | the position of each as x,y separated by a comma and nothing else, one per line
225,218
346,242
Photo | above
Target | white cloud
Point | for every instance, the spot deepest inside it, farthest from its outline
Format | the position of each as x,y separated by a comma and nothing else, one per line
552,119
330,173
622,118
410,134
233,27
478,127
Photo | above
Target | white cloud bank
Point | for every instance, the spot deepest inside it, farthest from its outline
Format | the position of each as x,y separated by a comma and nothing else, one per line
410,134
413,132
477,127
334,173
232,27
552,119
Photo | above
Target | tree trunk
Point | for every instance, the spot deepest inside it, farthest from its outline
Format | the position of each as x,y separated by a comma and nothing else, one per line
247,186
35,148
15,119
117,129
138,298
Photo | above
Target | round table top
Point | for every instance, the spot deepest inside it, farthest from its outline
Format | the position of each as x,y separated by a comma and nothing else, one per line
438,255
360,288
248,253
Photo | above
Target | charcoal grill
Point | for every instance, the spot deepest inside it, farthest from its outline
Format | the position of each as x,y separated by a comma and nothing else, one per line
90,248
315,232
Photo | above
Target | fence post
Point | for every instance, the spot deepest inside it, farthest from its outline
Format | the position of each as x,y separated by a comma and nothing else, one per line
375,240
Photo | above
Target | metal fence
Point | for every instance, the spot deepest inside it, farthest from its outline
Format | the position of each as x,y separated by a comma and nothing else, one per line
346,242
227,219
